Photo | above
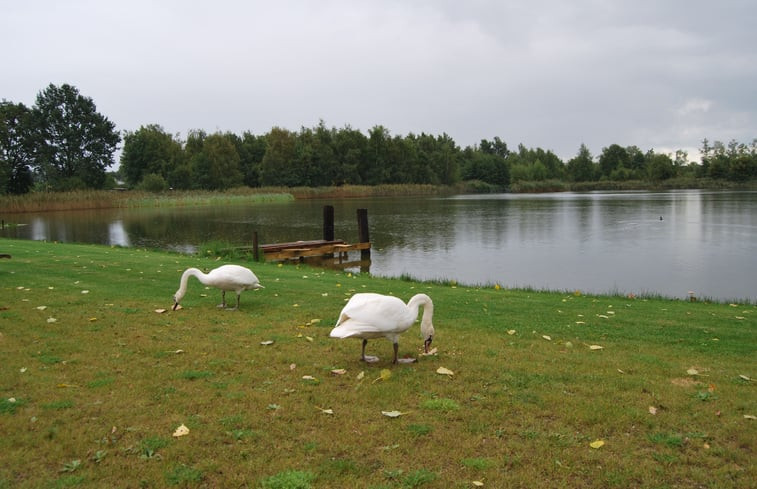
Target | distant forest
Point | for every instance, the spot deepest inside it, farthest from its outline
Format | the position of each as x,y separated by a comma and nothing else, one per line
63,143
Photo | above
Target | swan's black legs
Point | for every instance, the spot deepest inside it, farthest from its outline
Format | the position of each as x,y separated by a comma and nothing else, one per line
362,353
396,347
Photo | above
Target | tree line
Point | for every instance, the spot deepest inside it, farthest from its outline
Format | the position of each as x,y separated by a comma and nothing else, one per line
63,143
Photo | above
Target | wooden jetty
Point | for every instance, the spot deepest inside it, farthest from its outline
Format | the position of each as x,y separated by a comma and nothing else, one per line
328,251
301,249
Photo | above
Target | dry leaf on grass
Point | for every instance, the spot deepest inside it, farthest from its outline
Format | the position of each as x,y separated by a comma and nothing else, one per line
325,411
160,311
750,416
338,371
693,371
546,337
652,410
430,352
392,414
267,342
597,444
596,347
478,483
445,371
181,431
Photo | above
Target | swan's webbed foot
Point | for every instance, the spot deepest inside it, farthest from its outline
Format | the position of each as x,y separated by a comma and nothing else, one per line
407,360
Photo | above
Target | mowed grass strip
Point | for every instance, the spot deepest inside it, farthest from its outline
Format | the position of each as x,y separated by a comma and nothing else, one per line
547,389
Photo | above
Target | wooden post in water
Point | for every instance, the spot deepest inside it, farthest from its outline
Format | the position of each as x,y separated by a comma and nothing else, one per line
255,253
363,234
328,226
328,223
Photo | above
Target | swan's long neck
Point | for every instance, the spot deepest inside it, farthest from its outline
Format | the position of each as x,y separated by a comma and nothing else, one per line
189,272
427,326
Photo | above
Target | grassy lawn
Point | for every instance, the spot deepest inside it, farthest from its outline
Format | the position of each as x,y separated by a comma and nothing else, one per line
547,389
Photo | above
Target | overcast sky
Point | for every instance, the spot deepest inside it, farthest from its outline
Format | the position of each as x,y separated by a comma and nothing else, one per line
657,74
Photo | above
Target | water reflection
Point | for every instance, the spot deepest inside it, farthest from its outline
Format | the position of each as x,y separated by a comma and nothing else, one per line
596,242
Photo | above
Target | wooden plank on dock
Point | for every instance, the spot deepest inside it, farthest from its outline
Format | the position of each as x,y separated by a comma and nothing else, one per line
266,248
298,250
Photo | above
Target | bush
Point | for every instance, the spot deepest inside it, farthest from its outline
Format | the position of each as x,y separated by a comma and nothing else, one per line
153,183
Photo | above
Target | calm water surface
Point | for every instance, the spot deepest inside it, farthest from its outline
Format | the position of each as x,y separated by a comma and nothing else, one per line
666,243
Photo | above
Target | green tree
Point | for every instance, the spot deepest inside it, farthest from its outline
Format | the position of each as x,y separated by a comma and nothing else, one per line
659,166
612,158
149,150
216,166
15,150
276,168
376,166
251,149
73,143
581,168
349,150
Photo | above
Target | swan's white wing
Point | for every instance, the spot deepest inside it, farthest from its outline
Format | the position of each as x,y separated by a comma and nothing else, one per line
232,277
372,316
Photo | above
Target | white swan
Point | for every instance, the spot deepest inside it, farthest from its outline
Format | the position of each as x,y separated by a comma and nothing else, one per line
226,277
369,316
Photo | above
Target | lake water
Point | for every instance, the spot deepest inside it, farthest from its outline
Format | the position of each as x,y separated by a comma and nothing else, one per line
666,243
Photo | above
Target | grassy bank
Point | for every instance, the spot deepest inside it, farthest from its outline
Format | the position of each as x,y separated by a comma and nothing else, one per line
548,389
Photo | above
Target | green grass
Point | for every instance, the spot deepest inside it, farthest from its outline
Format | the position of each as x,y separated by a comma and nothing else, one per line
93,385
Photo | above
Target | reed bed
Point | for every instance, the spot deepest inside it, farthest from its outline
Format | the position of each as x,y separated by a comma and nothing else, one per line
110,199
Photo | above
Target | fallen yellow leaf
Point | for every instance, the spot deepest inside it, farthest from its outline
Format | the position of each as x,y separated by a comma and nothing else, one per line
385,374
596,347
546,337
478,483
511,332
392,414
596,444
181,431
338,371
445,371
652,410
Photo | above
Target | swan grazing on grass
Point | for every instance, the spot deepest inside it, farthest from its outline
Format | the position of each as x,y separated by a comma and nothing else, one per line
226,277
369,316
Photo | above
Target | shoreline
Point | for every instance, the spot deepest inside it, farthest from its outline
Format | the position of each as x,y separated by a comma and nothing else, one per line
116,198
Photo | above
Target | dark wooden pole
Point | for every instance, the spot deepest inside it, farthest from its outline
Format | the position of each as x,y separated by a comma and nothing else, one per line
328,223
255,253
363,234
